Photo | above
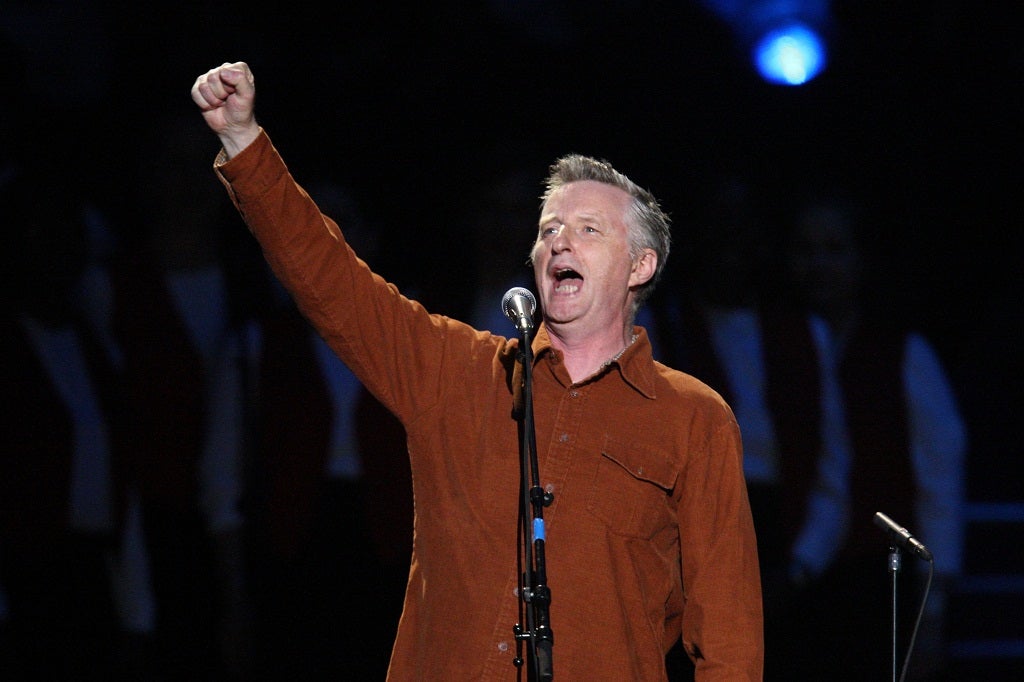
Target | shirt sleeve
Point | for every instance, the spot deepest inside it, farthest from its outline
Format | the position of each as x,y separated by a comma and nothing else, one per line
723,618
390,342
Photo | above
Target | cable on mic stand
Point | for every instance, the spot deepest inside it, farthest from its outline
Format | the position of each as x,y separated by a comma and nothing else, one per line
900,537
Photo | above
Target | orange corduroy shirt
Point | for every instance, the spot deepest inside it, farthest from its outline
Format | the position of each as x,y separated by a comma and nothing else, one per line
649,536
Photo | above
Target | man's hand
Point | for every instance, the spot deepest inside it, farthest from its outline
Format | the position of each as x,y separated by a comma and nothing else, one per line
226,95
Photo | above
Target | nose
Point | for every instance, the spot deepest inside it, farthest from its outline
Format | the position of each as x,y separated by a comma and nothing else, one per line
561,241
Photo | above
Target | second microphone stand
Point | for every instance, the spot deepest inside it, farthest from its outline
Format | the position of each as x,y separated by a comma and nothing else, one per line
901,537
533,585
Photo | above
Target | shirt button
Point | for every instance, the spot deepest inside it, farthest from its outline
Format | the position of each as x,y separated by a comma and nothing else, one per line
549,488
564,438
503,646
574,394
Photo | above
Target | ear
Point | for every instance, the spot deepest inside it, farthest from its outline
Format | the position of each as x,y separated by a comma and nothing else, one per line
644,268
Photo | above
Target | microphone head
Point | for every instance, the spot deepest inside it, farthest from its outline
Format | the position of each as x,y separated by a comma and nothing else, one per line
902,536
519,304
511,296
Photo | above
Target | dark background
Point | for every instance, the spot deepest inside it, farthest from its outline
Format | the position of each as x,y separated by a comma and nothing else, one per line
414,105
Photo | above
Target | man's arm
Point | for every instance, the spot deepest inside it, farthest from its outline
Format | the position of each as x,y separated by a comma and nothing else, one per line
391,343
723,626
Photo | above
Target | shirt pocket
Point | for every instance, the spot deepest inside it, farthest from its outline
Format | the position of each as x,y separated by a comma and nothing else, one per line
631,489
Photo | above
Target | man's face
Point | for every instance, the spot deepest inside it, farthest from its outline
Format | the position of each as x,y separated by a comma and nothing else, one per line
581,258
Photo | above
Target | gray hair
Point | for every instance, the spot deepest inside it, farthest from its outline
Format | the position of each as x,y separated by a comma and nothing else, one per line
647,223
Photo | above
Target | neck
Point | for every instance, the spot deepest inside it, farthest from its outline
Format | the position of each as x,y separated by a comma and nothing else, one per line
586,354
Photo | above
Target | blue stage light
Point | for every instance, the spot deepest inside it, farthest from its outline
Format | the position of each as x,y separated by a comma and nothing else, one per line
785,39
790,55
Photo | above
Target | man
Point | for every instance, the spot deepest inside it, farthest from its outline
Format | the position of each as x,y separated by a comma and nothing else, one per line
649,534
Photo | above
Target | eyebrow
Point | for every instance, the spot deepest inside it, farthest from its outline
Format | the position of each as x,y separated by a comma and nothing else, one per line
586,217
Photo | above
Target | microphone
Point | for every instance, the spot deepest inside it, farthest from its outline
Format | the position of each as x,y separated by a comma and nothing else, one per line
519,304
902,536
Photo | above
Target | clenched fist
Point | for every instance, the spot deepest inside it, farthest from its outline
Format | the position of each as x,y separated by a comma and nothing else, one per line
226,95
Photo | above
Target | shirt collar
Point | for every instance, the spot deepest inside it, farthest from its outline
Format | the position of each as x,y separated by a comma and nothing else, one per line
635,366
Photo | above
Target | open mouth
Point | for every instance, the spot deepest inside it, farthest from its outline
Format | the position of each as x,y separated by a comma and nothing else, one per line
567,280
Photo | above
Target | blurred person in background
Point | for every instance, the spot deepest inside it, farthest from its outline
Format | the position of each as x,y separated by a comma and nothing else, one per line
63,470
175,314
719,317
329,499
905,445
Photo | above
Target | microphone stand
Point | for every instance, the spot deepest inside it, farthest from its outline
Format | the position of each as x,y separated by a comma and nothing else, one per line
533,588
895,563
899,536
